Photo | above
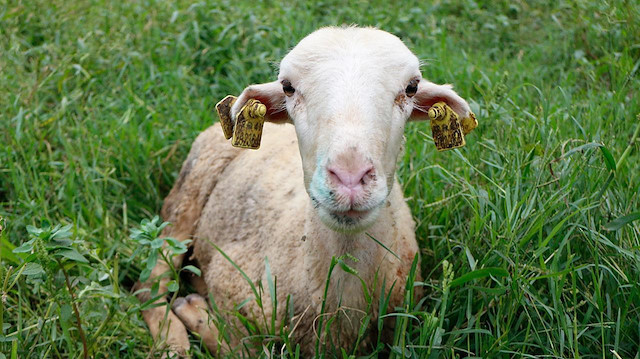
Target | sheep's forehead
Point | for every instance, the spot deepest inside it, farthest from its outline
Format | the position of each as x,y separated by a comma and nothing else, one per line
367,53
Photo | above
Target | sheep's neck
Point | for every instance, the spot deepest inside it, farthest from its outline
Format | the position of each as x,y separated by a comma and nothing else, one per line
322,244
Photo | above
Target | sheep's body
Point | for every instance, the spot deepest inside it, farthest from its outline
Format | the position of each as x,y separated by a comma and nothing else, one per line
257,208
349,92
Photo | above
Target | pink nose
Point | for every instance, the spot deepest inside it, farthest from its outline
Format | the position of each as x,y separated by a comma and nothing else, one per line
351,178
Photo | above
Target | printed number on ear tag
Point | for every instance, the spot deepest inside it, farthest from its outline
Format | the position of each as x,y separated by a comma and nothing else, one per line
224,112
248,127
445,127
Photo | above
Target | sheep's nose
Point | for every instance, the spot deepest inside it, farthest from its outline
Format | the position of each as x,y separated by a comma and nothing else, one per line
350,174
351,178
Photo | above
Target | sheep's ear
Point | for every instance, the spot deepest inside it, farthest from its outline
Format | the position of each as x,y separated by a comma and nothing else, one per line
270,94
429,93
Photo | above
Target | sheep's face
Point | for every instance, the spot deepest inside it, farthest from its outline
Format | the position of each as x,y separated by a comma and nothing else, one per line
349,93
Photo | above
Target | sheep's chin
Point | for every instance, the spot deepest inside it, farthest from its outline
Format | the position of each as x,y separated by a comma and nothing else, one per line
348,224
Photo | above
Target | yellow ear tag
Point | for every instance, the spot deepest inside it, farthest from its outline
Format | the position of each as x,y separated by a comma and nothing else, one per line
224,112
247,132
469,123
445,127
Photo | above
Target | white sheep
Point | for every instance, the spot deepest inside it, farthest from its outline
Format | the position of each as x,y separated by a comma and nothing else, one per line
348,92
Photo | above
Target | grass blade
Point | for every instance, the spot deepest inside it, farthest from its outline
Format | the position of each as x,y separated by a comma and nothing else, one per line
618,223
479,273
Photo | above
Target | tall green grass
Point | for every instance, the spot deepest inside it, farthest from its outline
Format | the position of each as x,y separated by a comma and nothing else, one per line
100,101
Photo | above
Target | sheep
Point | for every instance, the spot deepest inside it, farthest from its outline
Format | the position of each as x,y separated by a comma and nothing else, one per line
340,104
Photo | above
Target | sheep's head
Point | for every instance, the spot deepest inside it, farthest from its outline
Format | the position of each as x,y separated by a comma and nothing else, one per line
349,92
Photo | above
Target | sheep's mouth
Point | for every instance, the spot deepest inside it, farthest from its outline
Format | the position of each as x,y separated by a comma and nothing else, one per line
350,221
352,213
346,219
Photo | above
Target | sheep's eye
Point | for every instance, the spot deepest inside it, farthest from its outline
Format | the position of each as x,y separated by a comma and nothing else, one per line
412,88
287,88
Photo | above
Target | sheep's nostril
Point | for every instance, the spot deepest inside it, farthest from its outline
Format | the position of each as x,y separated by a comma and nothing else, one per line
367,177
334,176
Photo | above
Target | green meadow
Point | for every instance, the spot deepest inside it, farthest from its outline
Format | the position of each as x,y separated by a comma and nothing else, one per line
529,235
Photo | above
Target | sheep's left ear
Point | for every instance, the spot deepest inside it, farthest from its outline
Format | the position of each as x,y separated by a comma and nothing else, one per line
429,93
270,94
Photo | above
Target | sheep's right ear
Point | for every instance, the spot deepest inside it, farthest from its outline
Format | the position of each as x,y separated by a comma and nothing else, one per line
429,93
271,95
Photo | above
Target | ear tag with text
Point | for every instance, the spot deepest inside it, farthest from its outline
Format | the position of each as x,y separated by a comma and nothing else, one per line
224,112
445,127
247,132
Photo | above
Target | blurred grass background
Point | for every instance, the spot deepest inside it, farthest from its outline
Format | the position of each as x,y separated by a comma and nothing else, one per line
100,100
